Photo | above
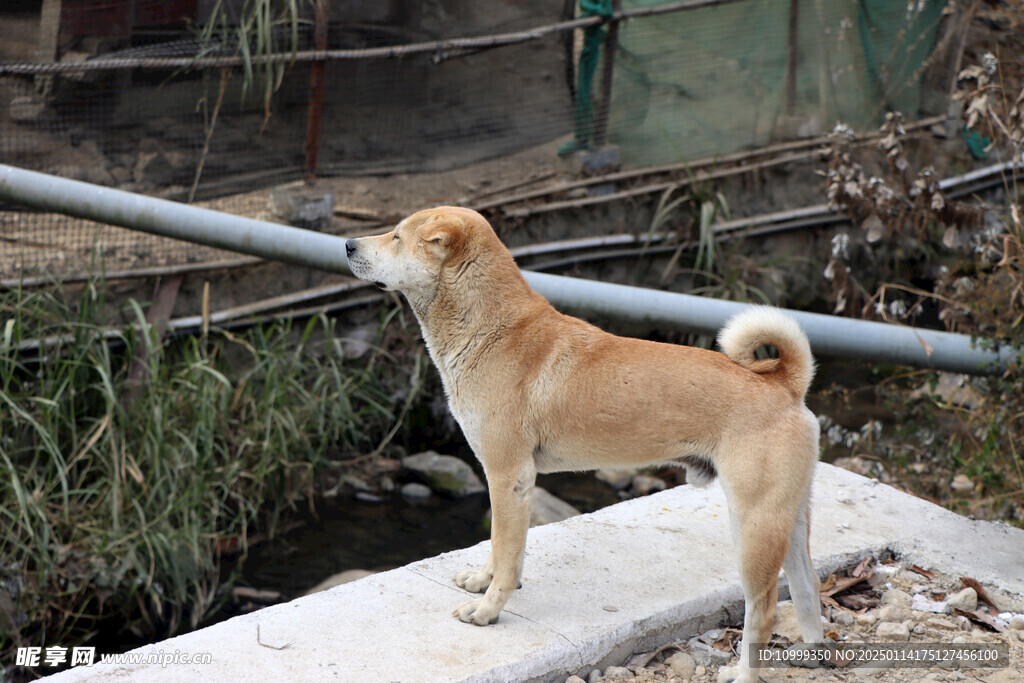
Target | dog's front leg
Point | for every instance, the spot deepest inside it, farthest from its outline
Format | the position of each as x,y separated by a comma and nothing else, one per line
510,484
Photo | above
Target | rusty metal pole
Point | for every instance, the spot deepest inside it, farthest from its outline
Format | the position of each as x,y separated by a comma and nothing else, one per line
316,91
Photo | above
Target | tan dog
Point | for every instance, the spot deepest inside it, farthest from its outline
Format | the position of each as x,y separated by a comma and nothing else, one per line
538,391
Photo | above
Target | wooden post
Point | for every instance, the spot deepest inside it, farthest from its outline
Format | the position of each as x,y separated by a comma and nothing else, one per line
316,91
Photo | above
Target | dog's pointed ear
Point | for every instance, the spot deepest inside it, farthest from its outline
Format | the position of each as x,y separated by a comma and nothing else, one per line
444,234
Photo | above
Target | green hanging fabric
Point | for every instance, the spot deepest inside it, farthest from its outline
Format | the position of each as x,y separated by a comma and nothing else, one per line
977,144
593,38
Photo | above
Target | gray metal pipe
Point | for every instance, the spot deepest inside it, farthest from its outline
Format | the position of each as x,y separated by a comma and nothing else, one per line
829,335
172,219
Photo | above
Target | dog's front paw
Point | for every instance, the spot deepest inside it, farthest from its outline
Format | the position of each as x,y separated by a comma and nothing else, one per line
475,581
480,612
728,674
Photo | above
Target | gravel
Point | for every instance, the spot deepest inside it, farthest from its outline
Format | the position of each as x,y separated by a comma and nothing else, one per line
912,607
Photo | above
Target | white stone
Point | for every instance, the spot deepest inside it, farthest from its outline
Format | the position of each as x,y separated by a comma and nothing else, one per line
617,672
893,631
682,665
967,600
786,624
546,508
892,613
895,596
923,604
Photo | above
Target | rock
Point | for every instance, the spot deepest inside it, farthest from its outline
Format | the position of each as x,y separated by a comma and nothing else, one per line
415,492
967,600
594,676
574,679
923,604
354,482
644,485
804,661
74,57
707,655
444,473
866,618
617,479
26,109
700,671
157,169
682,665
861,466
95,173
338,579
962,483
546,508
895,596
1016,623
302,208
786,624
938,628
843,618
893,613
941,623
617,672
589,162
890,631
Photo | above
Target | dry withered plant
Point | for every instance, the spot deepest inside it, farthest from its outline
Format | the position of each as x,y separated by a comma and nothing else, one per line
917,255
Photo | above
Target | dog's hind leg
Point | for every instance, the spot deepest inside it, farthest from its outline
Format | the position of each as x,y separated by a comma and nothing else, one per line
510,517
762,559
803,580
762,512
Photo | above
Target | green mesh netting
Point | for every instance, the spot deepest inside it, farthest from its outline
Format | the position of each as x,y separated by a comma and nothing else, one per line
721,79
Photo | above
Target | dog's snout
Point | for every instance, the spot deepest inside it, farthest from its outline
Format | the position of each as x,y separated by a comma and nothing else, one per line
350,247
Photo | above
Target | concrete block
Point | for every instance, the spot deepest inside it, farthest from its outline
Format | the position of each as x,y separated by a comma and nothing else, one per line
596,587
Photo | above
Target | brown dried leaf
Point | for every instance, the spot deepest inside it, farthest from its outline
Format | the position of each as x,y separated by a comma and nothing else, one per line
922,572
983,618
728,640
858,602
830,602
859,569
848,582
928,350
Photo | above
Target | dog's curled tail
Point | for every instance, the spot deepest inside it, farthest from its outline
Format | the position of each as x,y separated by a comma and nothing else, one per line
760,325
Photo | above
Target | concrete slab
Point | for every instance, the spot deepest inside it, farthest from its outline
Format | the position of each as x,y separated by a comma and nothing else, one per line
596,587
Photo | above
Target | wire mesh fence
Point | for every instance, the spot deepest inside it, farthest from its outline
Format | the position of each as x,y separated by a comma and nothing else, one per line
135,95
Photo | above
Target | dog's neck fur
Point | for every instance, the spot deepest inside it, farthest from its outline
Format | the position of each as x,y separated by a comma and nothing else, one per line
461,322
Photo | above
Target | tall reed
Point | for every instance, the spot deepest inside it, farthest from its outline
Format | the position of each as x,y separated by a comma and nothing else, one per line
118,504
